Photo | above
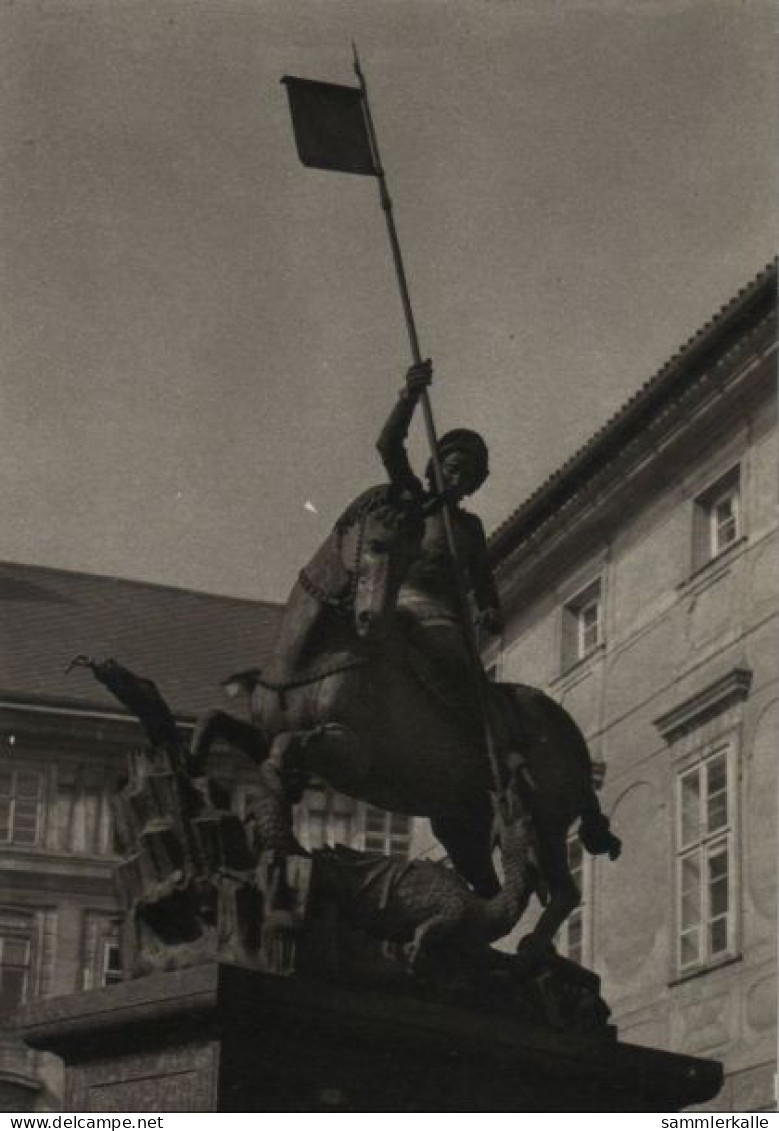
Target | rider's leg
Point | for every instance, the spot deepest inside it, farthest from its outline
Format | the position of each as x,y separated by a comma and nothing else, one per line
445,646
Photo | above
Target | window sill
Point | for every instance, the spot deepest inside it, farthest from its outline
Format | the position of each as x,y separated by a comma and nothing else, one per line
579,668
712,570
709,968
42,852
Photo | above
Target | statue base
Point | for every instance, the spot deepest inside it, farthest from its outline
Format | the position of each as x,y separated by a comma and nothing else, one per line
223,1038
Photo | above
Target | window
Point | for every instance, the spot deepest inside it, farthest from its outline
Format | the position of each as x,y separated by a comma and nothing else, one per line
112,963
101,953
589,626
705,866
582,624
81,814
325,817
15,959
723,521
388,833
572,941
717,523
702,733
21,794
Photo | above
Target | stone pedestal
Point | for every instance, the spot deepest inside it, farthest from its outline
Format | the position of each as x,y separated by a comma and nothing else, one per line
223,1038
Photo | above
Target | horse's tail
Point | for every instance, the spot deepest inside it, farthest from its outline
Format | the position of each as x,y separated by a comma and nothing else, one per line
595,830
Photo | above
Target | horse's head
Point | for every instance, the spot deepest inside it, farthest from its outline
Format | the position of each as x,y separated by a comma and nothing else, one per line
379,537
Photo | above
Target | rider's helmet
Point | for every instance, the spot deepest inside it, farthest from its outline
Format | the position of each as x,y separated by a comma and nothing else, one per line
472,445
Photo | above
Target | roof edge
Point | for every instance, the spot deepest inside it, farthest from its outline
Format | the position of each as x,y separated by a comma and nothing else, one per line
751,305
134,581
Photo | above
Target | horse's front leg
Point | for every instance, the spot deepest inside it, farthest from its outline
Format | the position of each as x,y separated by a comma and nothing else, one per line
466,836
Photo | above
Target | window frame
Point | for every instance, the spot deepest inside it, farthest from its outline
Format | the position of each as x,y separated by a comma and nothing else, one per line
703,847
20,926
100,933
574,648
108,972
394,844
336,809
13,801
732,494
707,544
584,649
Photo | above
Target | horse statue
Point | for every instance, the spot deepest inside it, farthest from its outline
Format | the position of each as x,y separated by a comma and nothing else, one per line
347,698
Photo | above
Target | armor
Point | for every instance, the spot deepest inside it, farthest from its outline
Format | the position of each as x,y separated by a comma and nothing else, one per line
428,602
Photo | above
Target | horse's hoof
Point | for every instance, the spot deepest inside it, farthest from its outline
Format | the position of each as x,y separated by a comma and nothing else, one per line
532,954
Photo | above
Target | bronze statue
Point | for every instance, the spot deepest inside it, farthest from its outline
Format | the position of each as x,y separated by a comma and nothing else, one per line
360,690
424,904
197,884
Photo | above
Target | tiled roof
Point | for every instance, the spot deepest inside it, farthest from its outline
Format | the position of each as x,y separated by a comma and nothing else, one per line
186,642
753,304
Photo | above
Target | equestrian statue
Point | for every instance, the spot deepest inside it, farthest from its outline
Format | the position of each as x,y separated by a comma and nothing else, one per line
375,685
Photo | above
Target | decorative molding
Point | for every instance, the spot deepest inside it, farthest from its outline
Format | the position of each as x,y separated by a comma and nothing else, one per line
47,705
713,570
578,671
717,697
19,1079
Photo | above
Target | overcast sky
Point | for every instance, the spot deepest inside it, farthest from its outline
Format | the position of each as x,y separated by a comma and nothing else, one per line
200,336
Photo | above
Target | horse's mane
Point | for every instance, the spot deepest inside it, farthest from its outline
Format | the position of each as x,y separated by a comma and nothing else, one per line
365,502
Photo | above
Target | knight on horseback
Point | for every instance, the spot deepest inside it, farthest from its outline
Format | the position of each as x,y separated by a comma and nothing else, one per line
375,685
429,607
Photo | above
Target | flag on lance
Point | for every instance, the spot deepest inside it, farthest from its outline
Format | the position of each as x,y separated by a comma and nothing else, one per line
330,127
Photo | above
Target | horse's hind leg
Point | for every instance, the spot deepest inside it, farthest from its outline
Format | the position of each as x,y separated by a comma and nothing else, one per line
564,897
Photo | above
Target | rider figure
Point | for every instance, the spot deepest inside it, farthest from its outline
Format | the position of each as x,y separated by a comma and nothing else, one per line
428,603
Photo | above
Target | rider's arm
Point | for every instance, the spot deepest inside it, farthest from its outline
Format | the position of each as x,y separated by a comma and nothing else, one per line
391,444
485,591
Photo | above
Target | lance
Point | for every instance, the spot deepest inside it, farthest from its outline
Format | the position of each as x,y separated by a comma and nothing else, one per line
338,125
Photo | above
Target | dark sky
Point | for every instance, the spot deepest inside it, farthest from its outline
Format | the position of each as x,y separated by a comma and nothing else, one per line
200,336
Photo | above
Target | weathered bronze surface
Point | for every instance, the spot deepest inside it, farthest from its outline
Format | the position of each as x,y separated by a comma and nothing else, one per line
355,697
197,884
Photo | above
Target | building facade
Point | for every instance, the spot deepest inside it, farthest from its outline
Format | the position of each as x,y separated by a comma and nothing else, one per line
64,743
641,589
